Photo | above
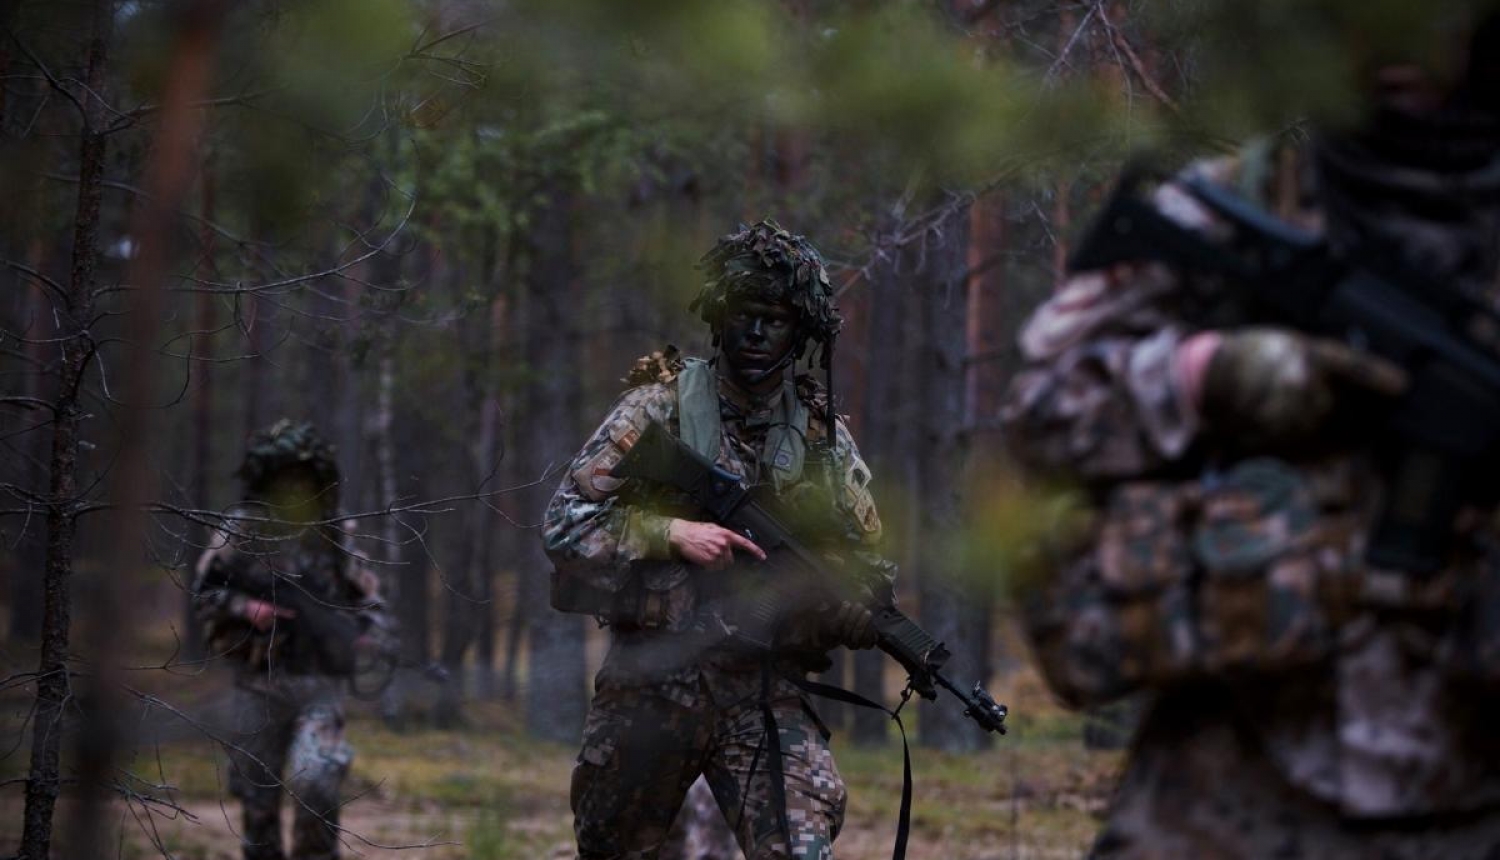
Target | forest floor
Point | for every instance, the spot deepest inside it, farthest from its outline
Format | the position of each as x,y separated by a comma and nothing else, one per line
487,792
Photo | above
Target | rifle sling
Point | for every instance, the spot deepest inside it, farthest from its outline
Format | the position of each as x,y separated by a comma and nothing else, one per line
849,697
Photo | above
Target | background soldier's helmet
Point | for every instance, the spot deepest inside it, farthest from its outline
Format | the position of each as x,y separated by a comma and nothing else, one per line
288,445
766,262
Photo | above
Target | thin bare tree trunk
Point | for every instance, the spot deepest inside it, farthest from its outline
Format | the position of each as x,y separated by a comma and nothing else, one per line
879,444
491,441
26,584
76,312
203,404
253,375
168,176
948,610
556,691
462,604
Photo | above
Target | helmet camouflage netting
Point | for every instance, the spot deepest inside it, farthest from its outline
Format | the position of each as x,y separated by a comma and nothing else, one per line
765,261
288,445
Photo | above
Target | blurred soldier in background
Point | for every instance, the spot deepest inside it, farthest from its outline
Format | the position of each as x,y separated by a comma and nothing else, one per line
678,696
281,597
1308,702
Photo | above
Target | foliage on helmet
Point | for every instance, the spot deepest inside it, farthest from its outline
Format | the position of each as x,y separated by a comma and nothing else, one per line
768,263
284,446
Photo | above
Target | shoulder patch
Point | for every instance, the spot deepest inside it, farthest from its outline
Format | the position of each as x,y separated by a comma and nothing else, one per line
662,365
593,472
857,497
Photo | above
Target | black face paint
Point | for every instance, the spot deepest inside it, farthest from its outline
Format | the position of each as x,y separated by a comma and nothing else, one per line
758,337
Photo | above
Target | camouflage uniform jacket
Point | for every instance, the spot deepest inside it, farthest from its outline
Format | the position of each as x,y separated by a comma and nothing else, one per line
312,559
612,535
1366,689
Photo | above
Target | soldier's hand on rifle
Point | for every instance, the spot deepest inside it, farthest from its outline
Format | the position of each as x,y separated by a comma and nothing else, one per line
1275,386
709,544
853,626
262,614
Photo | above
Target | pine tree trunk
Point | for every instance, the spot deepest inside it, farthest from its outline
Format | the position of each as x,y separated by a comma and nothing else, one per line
947,610
880,447
491,455
75,314
26,593
106,605
556,684
203,401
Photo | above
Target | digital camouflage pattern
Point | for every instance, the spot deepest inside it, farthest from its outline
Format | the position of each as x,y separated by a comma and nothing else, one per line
645,744
288,737
699,832
1306,705
675,697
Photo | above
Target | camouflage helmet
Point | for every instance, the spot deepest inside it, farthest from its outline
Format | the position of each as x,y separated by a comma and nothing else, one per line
287,445
766,262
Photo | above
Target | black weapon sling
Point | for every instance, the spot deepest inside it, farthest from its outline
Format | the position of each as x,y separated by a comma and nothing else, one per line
849,697
772,746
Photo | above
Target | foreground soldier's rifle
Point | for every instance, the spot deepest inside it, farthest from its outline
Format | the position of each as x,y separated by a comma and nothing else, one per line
793,575
1440,441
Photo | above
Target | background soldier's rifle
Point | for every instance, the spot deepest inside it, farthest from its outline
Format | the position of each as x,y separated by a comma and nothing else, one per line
1441,438
794,577
322,634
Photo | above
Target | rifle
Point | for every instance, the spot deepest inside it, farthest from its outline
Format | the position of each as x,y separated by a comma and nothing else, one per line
793,575
323,634
1440,440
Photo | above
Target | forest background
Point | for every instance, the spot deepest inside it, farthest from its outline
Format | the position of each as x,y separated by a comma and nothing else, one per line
442,230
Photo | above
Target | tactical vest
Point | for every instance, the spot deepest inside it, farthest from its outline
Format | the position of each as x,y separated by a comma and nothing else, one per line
647,600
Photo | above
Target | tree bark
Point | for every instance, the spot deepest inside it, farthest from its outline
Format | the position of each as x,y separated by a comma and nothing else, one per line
879,444
107,605
463,603
947,610
491,447
556,684
203,402
31,557
76,313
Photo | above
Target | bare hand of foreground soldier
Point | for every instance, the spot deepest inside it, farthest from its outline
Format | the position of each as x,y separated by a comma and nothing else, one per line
708,544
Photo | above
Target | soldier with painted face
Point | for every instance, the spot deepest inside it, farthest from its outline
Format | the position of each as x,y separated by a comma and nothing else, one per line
678,696
281,597
1307,702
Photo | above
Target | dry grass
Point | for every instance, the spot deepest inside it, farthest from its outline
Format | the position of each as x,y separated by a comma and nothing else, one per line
489,793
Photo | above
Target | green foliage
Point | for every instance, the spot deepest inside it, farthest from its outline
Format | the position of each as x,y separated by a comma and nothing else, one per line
1270,63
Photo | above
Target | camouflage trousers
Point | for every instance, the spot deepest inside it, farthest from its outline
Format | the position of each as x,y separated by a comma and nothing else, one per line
645,744
1199,787
289,739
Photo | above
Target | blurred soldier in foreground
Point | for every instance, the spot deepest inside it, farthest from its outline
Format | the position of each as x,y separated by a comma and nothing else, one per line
1263,473
679,695
281,597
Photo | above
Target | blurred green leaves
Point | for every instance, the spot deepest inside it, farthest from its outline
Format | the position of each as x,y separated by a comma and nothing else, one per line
1265,64
887,80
